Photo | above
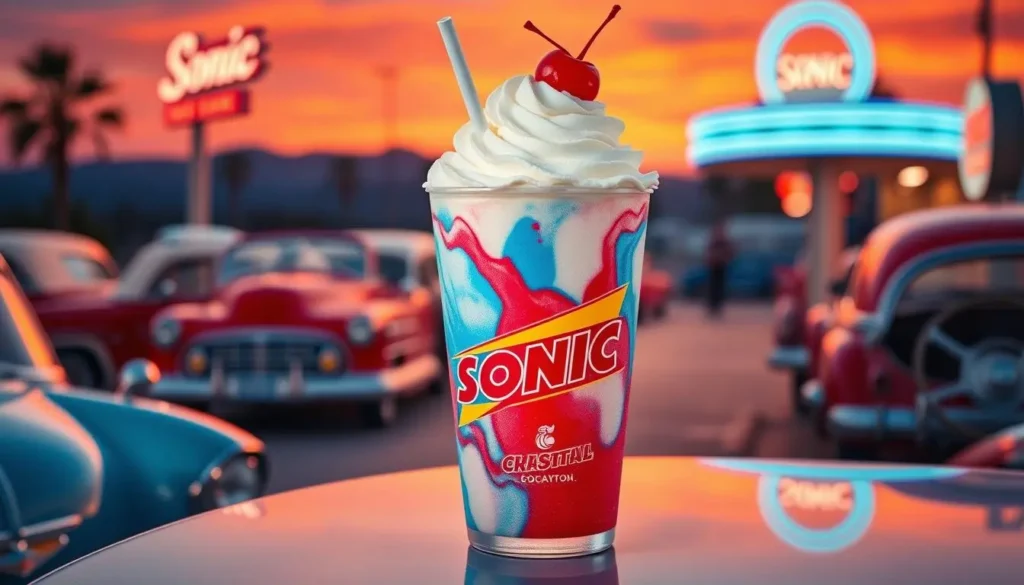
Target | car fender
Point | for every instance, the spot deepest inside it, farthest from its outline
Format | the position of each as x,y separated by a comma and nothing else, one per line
48,460
152,453
843,368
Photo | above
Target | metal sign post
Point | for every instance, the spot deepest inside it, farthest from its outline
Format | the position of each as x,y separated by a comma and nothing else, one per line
204,83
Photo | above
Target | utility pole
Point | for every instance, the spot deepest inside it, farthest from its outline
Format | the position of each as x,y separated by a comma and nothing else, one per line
389,104
388,75
984,30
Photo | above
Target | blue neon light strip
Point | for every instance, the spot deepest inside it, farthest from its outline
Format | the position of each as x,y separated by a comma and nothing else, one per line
882,115
864,129
799,144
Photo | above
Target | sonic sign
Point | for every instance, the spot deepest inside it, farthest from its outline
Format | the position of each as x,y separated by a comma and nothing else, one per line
203,78
815,51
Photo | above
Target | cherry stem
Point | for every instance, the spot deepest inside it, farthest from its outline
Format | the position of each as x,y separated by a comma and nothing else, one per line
533,28
611,15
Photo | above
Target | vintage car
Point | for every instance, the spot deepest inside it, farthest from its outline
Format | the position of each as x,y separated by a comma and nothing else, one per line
798,329
721,521
298,317
407,259
95,336
924,350
655,292
1003,450
81,469
52,266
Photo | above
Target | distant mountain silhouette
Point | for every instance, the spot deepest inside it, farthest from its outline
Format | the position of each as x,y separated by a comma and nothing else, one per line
389,192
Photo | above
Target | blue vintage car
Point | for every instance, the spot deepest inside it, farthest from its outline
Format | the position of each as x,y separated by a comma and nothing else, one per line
82,469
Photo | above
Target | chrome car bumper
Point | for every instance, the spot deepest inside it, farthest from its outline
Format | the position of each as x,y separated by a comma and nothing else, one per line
854,423
412,376
789,357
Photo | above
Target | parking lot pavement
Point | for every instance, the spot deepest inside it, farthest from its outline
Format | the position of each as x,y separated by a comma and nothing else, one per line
700,387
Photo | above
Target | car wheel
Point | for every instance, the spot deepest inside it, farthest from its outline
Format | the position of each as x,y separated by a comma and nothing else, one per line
857,452
81,369
800,406
380,414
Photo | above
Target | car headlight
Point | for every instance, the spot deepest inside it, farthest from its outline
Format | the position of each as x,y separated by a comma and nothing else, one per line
328,360
239,479
196,361
166,332
360,330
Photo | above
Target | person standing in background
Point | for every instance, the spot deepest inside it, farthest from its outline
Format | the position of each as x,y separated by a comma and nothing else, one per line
719,254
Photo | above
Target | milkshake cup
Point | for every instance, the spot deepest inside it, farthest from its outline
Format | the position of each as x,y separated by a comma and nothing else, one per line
539,292
539,217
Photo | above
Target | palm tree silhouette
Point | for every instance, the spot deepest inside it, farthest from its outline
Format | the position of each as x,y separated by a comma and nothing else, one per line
237,169
344,179
56,113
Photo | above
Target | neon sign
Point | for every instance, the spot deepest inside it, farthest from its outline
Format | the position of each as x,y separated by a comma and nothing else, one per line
815,51
202,77
992,158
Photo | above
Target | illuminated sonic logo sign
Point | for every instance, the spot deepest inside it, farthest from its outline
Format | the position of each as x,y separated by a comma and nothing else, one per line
815,50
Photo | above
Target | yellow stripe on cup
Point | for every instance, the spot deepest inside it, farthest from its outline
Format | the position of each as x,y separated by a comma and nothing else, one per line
602,309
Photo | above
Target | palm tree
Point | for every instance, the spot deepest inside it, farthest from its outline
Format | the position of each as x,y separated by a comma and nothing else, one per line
57,112
344,179
237,169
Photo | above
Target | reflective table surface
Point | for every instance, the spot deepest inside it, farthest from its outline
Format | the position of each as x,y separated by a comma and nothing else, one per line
681,520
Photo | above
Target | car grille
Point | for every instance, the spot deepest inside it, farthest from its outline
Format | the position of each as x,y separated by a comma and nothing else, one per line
269,354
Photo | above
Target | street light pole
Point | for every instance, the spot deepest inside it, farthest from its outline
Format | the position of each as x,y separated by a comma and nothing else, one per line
389,104
389,110
984,29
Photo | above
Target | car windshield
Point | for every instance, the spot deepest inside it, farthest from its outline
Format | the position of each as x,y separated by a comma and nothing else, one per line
335,256
981,275
86,270
394,268
22,340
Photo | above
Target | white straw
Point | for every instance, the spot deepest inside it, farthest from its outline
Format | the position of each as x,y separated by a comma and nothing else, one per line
462,76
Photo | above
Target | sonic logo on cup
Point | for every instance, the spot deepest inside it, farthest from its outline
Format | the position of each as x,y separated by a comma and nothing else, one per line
564,353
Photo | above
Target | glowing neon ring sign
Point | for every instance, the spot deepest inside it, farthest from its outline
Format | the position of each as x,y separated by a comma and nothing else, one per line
798,16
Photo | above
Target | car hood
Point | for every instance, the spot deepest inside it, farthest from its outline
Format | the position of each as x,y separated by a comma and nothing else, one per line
103,410
722,521
47,459
292,297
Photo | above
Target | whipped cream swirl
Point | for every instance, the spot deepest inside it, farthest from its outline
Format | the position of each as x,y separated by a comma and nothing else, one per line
541,137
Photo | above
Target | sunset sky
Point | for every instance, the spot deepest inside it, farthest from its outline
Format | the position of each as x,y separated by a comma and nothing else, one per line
661,61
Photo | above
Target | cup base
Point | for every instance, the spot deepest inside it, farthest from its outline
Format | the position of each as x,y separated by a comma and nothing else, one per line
542,548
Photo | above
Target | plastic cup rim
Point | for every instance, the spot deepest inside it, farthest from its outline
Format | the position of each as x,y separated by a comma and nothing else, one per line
536,190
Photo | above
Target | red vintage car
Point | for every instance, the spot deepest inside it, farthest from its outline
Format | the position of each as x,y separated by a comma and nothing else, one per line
655,292
925,349
797,330
96,334
298,318
53,266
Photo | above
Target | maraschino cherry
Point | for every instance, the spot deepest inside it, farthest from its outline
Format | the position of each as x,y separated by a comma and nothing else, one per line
571,74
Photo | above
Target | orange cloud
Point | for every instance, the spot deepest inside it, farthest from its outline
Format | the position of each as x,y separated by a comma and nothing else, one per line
661,61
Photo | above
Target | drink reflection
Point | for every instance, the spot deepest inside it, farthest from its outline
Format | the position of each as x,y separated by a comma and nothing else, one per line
816,515
487,569
1000,496
820,508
